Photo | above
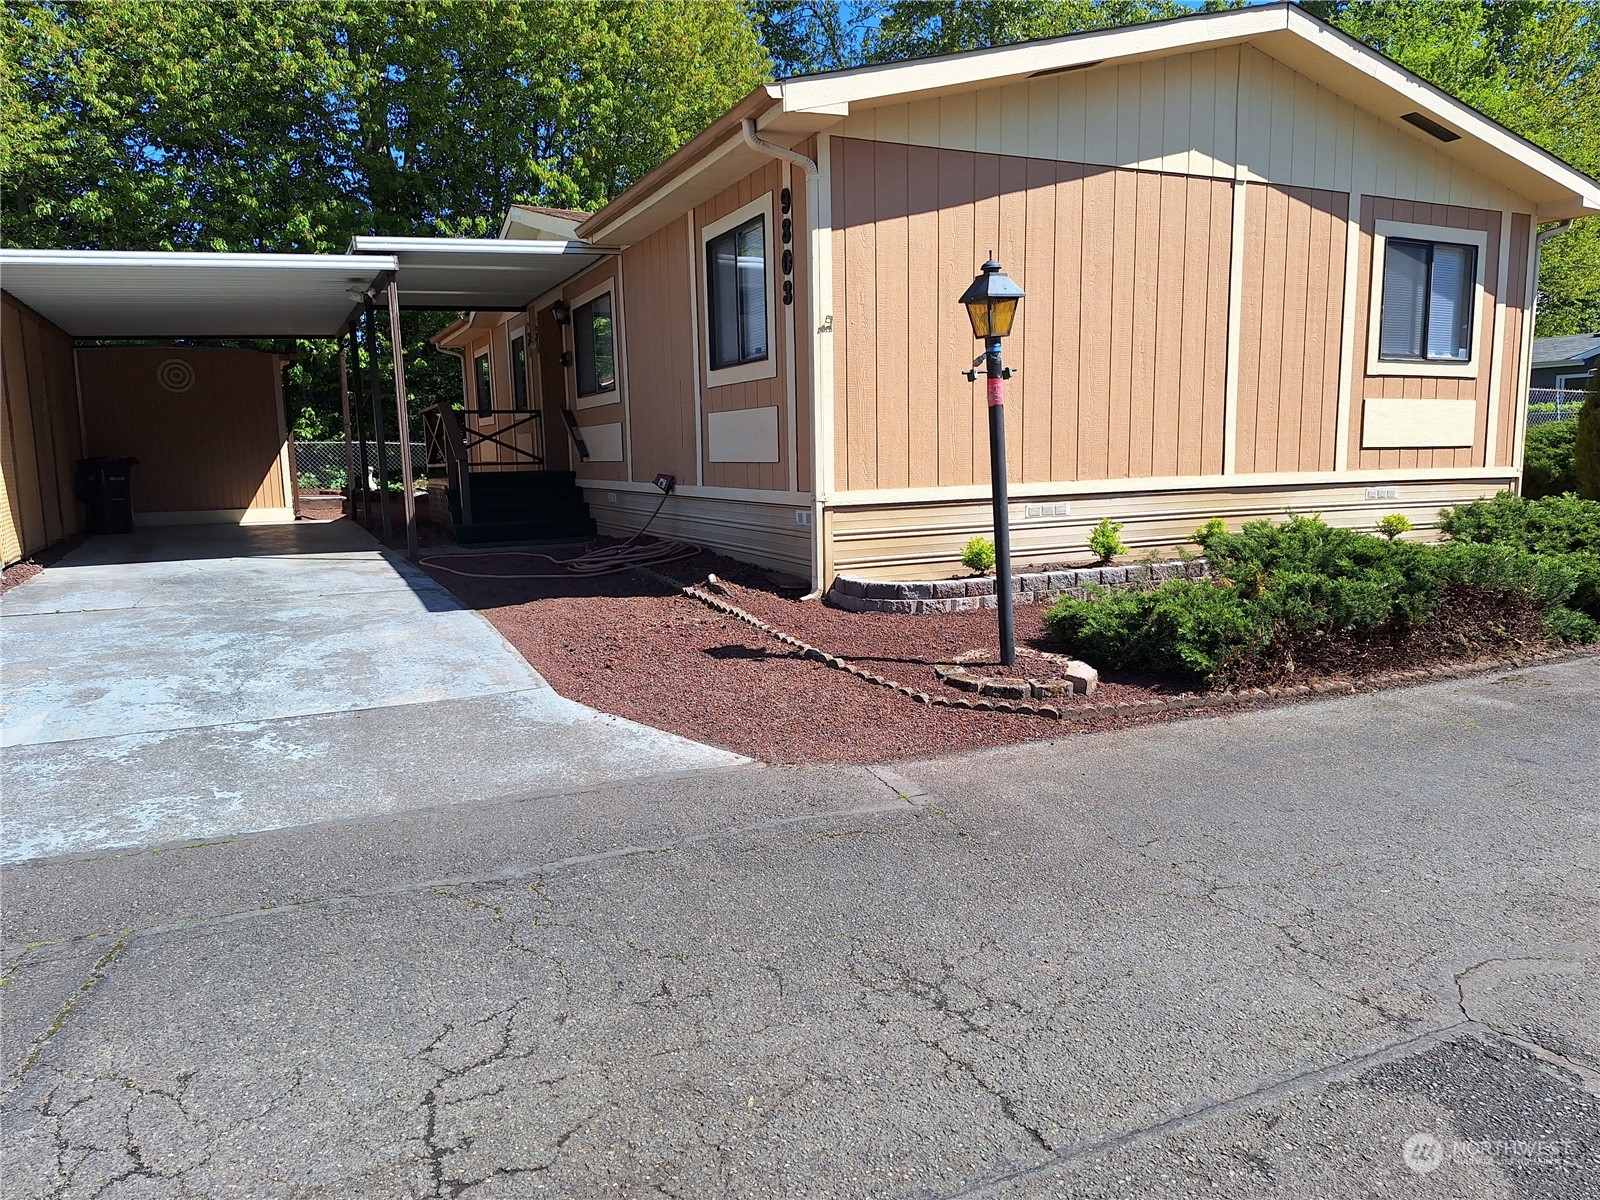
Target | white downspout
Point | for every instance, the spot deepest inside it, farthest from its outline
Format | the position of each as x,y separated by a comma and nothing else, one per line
747,129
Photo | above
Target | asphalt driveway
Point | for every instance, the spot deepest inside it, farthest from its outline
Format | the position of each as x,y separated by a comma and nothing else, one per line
1337,950
196,682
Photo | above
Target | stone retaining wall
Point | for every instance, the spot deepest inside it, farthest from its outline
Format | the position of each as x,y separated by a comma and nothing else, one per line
855,594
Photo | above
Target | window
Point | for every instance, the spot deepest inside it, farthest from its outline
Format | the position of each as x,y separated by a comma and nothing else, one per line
483,384
736,293
519,372
594,345
1428,304
1427,301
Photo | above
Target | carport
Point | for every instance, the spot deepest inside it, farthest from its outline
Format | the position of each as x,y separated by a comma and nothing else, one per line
193,681
59,300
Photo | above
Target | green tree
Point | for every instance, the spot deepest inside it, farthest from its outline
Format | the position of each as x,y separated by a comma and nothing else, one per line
913,28
293,125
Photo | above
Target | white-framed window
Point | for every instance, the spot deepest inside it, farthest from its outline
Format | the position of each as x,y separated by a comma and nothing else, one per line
736,260
519,370
1574,383
1427,300
483,383
596,345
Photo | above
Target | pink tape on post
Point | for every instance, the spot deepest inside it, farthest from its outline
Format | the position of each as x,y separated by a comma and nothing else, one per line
995,396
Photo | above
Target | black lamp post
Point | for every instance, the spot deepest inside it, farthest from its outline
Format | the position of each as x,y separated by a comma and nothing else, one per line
991,304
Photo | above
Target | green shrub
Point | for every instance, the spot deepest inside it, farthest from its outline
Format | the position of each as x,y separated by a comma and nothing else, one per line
978,554
1393,525
1547,465
1550,525
1214,528
1280,592
1586,444
1187,628
1106,540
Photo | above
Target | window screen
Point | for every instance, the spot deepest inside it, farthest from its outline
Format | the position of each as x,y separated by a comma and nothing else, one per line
593,336
1427,301
485,388
736,285
519,373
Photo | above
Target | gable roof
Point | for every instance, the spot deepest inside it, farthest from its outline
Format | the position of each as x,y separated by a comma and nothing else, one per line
1561,351
790,110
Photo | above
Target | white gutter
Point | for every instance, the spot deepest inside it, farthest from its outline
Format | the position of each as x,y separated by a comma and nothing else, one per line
747,130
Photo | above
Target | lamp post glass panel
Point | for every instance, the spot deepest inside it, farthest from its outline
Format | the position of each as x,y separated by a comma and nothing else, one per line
991,304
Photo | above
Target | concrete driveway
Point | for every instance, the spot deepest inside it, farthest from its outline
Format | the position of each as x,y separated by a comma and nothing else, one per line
1333,951
201,681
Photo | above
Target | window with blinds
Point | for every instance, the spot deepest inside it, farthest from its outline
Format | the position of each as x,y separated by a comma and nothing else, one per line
1427,301
519,372
736,286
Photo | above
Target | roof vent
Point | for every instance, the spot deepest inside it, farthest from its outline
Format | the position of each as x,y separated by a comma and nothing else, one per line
1429,126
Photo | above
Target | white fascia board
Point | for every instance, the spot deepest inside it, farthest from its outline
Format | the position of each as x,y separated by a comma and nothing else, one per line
1001,64
1435,102
444,247
333,264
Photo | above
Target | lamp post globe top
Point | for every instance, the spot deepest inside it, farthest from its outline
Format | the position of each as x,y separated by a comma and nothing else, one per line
991,301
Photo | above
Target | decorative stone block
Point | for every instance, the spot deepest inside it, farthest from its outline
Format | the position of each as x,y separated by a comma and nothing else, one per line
1113,574
1137,573
949,589
847,585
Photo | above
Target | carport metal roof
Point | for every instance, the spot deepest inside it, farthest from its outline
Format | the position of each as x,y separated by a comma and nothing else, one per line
481,274
194,294
182,294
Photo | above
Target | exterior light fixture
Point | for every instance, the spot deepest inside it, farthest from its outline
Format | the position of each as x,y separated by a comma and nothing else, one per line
561,313
991,304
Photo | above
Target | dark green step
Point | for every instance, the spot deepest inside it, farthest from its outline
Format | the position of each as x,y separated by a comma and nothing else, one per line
480,532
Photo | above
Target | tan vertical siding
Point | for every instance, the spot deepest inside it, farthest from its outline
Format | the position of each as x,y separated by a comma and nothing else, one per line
660,333
1511,369
1384,208
39,429
215,446
1117,346
1290,329
1218,113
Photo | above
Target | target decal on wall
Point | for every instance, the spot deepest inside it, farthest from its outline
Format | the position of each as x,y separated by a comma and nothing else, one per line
175,375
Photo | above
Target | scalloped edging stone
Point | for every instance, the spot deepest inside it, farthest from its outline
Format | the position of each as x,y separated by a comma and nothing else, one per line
1187,702
856,594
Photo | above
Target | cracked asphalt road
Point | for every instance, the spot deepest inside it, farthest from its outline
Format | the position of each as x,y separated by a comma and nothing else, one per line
1247,956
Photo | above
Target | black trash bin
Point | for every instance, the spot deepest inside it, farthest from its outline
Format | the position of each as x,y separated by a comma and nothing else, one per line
106,486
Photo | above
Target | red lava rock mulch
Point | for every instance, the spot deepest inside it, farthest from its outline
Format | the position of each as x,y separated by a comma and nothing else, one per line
21,572
635,647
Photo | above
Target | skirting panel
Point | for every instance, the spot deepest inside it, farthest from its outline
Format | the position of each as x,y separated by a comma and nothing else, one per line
766,534
1388,423
908,541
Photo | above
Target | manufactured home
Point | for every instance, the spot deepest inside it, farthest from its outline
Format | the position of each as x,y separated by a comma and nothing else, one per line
1266,269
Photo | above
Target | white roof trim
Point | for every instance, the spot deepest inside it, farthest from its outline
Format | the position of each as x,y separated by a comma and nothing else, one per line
823,93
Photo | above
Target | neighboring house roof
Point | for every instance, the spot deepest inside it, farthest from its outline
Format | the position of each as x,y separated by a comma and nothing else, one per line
790,110
1576,351
533,221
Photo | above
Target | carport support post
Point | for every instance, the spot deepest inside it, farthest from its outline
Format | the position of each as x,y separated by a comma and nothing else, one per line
361,429
402,417
344,412
375,390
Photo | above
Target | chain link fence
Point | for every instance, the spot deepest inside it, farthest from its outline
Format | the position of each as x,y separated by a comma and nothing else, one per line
1553,404
319,466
